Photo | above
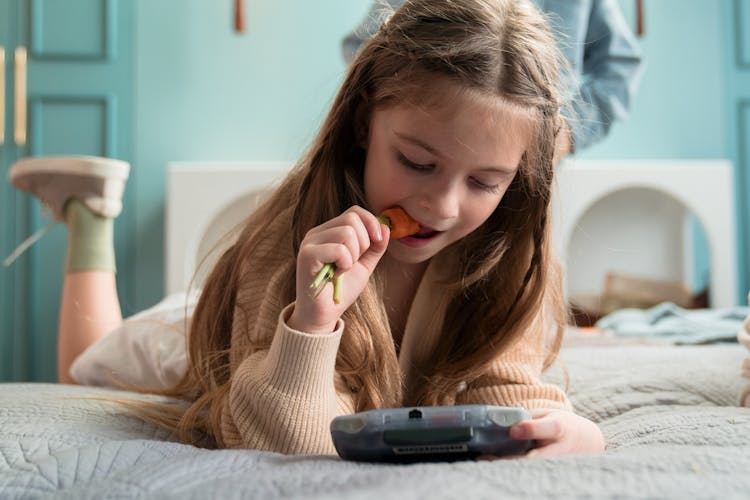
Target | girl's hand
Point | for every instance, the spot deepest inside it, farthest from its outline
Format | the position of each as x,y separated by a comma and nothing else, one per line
354,241
559,432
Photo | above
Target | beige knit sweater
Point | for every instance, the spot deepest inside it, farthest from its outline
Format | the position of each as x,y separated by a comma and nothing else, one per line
283,399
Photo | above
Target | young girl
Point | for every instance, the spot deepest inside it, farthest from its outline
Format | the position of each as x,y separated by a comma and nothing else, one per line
451,112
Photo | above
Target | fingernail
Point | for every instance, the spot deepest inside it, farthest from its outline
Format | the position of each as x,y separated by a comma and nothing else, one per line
517,432
379,233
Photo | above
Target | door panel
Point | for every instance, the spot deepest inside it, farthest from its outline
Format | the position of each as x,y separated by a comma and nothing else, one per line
51,117
91,36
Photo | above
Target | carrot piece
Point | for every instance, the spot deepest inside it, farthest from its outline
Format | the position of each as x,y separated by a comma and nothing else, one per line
400,223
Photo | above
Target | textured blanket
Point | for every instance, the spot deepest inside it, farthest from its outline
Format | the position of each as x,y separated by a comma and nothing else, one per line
669,415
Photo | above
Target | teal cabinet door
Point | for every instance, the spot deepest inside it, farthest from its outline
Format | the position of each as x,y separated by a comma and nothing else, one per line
7,199
738,17
78,100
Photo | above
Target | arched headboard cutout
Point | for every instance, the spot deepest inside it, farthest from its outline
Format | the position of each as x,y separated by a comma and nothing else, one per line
704,187
638,233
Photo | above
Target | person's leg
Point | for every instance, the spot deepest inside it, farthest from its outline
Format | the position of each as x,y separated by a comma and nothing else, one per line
89,308
85,193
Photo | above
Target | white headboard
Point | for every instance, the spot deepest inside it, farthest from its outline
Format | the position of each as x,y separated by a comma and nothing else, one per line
204,202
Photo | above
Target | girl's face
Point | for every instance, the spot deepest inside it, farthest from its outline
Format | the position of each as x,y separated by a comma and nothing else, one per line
447,165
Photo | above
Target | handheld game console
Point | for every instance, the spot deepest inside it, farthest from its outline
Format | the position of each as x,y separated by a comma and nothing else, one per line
428,433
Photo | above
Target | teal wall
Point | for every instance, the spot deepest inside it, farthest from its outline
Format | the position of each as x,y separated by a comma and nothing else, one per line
680,110
204,92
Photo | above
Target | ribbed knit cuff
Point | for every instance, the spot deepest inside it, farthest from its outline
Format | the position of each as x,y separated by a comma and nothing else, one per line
302,363
90,239
743,335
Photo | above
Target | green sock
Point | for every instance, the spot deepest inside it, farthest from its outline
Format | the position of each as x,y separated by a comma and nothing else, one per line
90,239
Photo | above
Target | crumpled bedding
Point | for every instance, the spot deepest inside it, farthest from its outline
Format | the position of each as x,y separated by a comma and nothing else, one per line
670,322
669,415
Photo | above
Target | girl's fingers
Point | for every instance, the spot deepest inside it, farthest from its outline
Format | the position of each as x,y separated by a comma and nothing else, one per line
370,223
357,229
371,229
540,412
538,429
342,236
378,236
335,253
373,255
345,255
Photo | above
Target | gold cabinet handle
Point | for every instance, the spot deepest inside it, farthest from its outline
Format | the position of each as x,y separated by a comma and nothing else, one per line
2,95
19,133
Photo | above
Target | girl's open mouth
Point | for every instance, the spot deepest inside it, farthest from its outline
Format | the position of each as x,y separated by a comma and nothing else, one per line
424,236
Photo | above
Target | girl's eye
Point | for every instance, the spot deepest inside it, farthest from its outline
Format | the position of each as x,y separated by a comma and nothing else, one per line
420,167
490,188
410,164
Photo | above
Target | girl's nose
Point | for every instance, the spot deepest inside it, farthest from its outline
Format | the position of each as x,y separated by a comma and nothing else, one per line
441,200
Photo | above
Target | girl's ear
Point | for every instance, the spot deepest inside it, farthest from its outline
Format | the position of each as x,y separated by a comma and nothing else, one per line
362,120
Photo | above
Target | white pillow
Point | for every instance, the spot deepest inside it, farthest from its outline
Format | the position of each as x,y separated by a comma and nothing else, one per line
147,350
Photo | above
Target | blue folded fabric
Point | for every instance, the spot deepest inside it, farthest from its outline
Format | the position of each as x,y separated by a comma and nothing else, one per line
667,321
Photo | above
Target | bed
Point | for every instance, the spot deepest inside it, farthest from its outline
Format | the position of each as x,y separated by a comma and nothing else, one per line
669,413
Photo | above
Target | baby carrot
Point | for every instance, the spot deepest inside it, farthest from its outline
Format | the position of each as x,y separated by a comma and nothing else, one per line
400,224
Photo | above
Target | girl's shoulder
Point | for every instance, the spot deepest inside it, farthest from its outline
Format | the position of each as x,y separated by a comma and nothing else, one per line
275,237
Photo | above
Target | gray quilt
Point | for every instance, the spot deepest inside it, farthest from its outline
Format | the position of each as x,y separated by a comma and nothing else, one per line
669,415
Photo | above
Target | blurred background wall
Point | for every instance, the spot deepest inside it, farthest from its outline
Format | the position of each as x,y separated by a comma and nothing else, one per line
205,92
196,90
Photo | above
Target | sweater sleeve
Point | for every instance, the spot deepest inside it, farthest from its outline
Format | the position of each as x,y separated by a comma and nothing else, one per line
284,398
514,378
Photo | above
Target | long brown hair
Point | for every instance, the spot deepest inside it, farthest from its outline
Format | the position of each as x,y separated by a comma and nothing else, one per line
504,274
